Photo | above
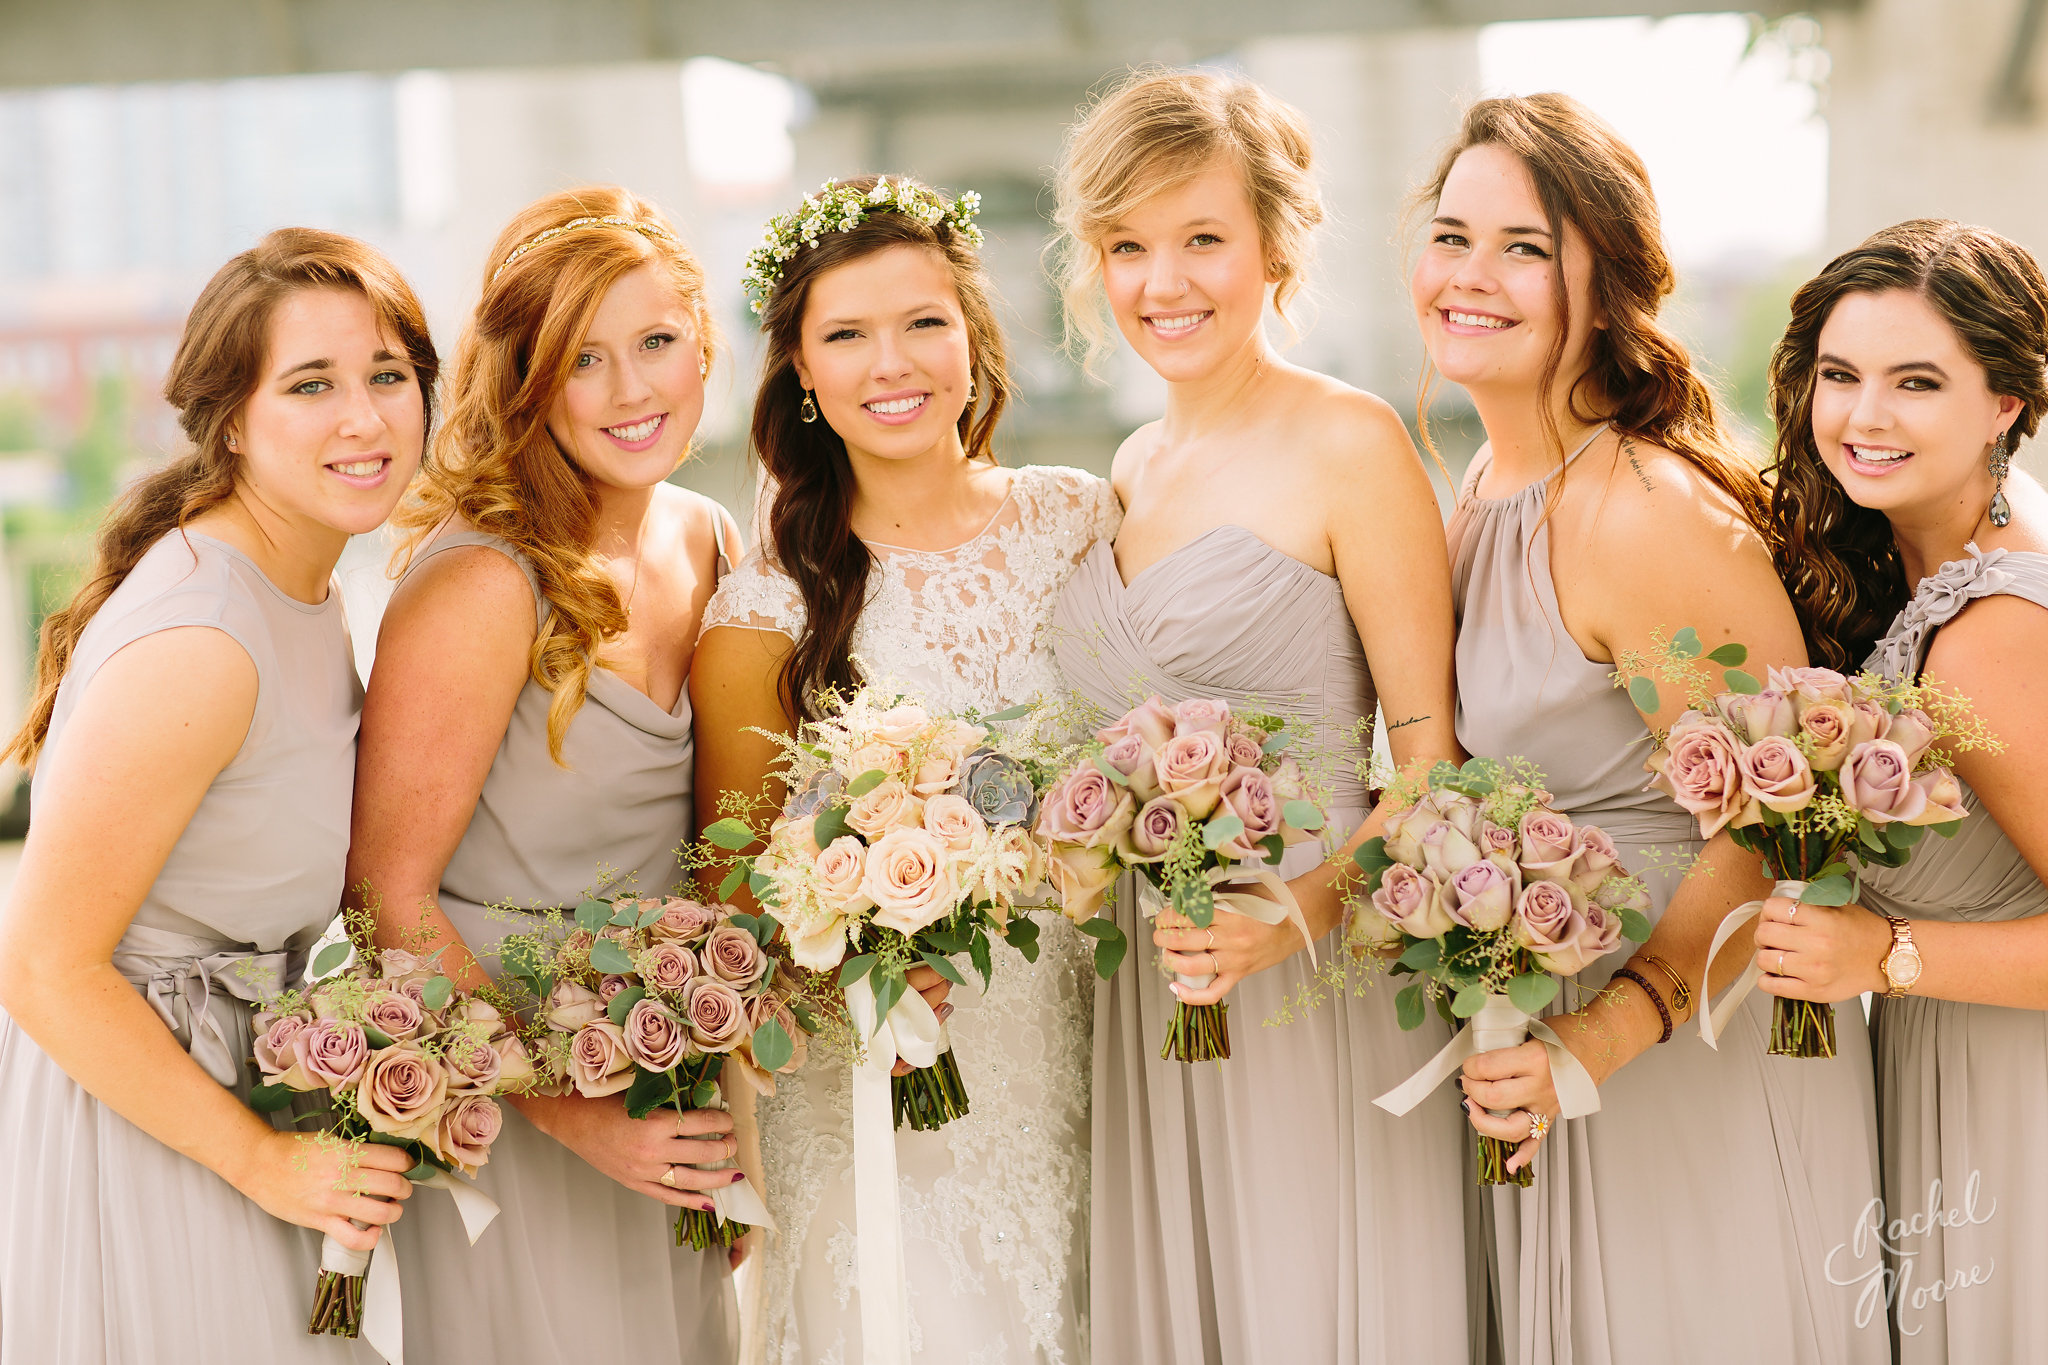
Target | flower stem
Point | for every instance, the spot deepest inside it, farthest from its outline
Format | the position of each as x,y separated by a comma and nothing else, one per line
1493,1163
1802,1028
1198,1033
337,1306
701,1228
931,1095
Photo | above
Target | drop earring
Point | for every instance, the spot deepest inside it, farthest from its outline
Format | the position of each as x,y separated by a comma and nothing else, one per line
2001,464
809,411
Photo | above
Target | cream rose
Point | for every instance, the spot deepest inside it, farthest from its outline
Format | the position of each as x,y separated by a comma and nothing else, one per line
953,822
909,878
1191,768
886,806
1082,876
838,873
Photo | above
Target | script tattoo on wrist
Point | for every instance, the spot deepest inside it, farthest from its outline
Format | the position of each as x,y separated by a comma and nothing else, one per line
1402,724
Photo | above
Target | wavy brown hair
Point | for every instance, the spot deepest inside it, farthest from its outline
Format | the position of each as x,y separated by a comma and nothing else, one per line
219,362
1839,560
1637,375
810,521
495,466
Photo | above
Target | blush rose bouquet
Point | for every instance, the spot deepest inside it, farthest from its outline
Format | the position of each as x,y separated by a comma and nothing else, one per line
390,1052
905,841
1193,800
1487,896
654,999
1809,769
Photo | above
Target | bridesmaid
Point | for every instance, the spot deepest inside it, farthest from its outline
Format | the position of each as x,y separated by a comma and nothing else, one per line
527,740
199,696
1691,1217
1911,370
1261,1210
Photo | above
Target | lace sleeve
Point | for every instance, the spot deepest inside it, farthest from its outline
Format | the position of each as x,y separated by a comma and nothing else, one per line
756,596
1072,506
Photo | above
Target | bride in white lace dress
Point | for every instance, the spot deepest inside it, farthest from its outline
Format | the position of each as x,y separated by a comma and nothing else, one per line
919,563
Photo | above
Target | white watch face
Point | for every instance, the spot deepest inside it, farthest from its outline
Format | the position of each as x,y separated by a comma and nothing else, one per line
1903,966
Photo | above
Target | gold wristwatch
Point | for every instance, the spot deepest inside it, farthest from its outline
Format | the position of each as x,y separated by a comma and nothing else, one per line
1902,963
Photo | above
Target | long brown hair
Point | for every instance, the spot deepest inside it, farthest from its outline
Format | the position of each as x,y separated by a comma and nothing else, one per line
495,465
810,521
1638,376
218,364
1839,560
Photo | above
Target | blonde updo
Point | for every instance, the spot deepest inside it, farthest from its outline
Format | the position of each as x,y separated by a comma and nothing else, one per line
1156,130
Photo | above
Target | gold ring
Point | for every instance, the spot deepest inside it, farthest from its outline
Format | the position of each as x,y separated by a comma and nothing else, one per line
1781,965
1210,946
668,1177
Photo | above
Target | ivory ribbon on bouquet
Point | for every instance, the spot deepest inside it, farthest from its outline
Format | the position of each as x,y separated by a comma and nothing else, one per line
383,1312
739,1202
1282,905
1713,1021
1500,1023
913,1033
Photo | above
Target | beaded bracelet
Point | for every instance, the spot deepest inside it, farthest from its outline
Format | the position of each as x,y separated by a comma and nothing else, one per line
1663,1010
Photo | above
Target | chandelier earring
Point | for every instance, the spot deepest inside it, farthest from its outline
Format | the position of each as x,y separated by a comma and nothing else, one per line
2001,465
809,411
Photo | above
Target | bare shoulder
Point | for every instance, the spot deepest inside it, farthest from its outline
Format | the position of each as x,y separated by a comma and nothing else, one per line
696,525
473,587
1127,467
1993,644
1647,500
1344,432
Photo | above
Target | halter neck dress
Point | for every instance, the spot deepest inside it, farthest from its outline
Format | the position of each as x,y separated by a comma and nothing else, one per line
1692,1217
113,1247
576,1265
1962,1089
1261,1210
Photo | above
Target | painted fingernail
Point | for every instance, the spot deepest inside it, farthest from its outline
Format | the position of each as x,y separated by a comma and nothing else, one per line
1174,986
738,1176
1465,1105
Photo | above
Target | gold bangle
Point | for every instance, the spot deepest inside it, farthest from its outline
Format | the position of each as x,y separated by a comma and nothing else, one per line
1681,994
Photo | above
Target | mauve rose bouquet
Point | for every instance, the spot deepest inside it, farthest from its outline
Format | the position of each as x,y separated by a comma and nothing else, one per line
1489,896
650,998
1808,769
905,841
405,1060
1192,799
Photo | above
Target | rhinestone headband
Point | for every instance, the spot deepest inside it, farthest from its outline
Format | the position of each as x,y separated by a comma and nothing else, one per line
576,225
836,208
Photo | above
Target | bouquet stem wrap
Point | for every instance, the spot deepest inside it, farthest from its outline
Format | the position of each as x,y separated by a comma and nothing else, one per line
735,1206
1282,906
1713,1022
913,1033
383,1321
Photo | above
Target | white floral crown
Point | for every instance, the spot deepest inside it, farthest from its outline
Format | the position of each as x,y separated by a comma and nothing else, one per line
839,208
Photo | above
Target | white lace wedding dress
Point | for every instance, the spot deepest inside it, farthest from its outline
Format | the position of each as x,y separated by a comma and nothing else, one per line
994,1204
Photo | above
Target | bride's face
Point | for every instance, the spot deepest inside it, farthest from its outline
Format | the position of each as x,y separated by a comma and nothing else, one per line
885,352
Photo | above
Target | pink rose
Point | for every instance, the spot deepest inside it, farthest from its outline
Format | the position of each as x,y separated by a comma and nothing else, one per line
909,877
1549,844
1405,828
1598,933
655,1039
1248,794
1086,808
734,956
571,1005
1446,852
1082,876
608,987
1777,774
717,1015
1913,731
1133,757
1288,783
274,1035
838,872
331,1054
1877,782
470,1010
886,806
1826,726
402,1092
1944,796
1158,824
515,1063
683,920
1482,897
952,819
1192,767
1497,845
468,1128
1460,812
395,964
598,1061
668,966
1872,721
1201,715
1595,858
1244,751
1758,715
1805,686
1699,768
1151,721
1416,905
1550,920
473,1066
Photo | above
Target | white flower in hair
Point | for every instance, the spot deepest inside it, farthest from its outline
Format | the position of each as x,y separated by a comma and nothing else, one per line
834,207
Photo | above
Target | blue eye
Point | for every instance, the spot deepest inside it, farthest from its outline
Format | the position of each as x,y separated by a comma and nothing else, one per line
311,387
387,377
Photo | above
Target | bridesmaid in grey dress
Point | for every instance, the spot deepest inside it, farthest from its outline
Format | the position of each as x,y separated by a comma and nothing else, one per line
1691,1217
1912,367
1260,1210
527,741
193,738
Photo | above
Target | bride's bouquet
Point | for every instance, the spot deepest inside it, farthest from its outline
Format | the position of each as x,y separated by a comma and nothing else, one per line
1809,769
1490,896
1194,800
401,1058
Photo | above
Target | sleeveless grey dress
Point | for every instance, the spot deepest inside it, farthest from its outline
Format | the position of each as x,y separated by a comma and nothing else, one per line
1962,1089
1692,1218
576,1266
1258,1211
113,1247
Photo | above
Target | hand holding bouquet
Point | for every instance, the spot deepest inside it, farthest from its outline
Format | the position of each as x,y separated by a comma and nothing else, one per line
1192,799
1491,896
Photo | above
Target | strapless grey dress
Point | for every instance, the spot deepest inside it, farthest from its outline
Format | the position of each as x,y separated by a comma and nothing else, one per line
1692,1218
1962,1090
1261,1210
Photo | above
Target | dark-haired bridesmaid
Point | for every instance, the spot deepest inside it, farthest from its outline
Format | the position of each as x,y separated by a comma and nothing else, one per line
1912,369
193,735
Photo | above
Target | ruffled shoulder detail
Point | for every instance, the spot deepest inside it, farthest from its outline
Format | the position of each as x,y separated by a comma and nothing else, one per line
1941,597
756,596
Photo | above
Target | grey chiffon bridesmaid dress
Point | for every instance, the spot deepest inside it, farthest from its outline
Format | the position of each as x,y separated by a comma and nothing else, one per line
1708,1211
576,1266
1260,1210
113,1247
1962,1089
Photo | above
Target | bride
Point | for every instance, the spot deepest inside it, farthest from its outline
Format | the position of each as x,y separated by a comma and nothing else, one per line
896,549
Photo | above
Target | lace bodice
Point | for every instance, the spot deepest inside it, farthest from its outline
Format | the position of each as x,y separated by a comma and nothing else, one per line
965,626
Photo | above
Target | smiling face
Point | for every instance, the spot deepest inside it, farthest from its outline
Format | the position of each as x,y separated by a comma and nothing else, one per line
1484,285
1186,275
332,433
633,401
885,352
1902,415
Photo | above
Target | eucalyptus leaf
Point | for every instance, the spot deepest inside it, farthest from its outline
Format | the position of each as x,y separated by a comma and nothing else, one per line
1469,1001
704,1094
1022,934
1276,849
1408,1007
376,1037
1109,770
1741,683
732,881
854,968
865,783
729,834
1903,836
1220,830
889,988
592,914
773,1046
1643,693
1635,925
268,1099
607,956
944,967
648,916
435,994
1007,714
1729,655
1946,830
331,957
1828,891
1531,991
1303,815
624,916
622,1004
1686,644
1109,949
1276,742
1371,856
1422,955
649,1091
830,824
